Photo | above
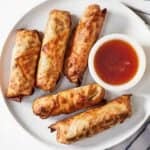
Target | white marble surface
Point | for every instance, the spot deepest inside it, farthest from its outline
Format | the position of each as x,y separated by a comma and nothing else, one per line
11,134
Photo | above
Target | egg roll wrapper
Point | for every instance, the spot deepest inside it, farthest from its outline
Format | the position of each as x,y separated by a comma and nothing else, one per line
68,101
92,121
24,63
53,49
84,36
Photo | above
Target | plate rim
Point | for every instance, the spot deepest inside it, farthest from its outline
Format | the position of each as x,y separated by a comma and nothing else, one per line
24,129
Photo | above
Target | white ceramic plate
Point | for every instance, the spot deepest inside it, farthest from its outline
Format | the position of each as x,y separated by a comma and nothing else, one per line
119,20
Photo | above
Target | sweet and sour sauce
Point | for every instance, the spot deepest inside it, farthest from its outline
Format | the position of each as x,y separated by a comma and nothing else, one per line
116,62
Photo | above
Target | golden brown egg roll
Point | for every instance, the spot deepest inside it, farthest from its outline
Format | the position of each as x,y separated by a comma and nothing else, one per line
53,49
24,62
93,120
86,33
68,101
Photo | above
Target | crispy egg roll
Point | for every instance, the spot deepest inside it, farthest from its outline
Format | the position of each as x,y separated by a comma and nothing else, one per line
86,33
24,62
68,101
93,120
53,49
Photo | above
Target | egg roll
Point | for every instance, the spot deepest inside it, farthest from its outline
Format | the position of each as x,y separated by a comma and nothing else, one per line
24,63
53,49
68,101
85,35
92,121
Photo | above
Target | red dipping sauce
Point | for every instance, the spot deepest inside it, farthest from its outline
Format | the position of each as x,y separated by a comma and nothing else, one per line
116,62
